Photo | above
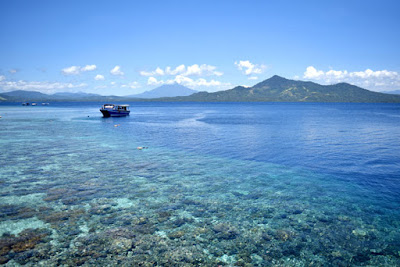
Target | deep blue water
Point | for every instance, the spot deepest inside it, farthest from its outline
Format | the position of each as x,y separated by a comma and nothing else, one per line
247,184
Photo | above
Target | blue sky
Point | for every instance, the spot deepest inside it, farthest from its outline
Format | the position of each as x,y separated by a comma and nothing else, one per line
127,47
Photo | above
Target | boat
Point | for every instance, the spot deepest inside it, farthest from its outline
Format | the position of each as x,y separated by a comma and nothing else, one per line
45,104
33,104
25,104
111,110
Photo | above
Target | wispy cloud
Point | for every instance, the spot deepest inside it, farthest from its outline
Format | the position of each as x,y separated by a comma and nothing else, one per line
132,85
44,87
192,83
88,68
178,70
250,69
75,70
193,70
117,71
157,71
381,80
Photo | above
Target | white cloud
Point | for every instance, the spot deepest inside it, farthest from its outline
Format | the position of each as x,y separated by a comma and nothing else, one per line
132,85
2,78
13,71
203,69
45,87
337,74
186,81
312,73
249,68
253,78
377,74
193,70
381,80
147,73
88,68
99,77
178,70
116,71
153,81
158,71
182,79
74,70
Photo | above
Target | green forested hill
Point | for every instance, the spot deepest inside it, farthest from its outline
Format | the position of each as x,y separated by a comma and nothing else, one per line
278,89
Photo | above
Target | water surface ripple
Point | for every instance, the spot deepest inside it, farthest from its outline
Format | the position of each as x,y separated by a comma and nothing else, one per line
231,184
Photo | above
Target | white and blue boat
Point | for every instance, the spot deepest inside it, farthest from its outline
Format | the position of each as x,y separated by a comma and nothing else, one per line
111,110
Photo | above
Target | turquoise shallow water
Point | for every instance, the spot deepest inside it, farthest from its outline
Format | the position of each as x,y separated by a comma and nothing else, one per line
220,184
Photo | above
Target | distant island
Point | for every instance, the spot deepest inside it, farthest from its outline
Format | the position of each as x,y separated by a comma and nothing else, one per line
394,92
274,89
166,90
279,89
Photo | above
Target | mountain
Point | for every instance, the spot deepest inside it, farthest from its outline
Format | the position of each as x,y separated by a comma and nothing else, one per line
279,89
274,89
395,92
167,90
21,95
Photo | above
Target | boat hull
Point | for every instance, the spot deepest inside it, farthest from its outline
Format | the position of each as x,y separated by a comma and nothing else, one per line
114,113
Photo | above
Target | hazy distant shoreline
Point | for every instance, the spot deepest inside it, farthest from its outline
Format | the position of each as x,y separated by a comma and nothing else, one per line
274,89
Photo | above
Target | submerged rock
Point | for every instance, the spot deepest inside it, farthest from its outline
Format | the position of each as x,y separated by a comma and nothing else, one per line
266,236
59,217
343,218
164,216
121,245
117,233
184,256
176,234
225,231
56,194
16,212
100,209
360,232
297,211
283,235
21,247
181,221
4,260
140,221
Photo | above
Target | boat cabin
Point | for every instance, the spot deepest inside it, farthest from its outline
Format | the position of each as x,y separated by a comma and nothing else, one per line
123,107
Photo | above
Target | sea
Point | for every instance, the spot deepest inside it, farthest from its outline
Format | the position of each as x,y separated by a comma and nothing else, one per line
200,184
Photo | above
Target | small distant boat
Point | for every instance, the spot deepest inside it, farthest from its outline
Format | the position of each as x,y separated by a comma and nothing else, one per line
34,104
111,110
25,104
45,104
